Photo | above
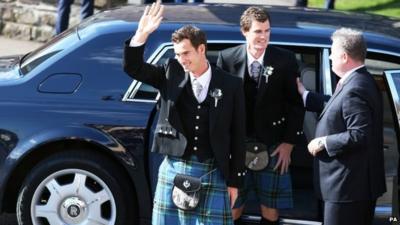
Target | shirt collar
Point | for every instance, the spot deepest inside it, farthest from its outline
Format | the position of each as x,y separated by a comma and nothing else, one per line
251,59
204,79
347,74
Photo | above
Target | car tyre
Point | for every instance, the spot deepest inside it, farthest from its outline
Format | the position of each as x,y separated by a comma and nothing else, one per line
76,187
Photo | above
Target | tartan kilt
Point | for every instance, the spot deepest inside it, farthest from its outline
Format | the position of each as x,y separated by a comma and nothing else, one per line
214,206
272,189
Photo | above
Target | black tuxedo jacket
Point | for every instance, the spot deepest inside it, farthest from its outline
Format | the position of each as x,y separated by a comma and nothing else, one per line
352,166
279,110
227,130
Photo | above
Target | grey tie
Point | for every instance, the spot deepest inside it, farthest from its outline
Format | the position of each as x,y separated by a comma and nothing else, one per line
255,70
197,88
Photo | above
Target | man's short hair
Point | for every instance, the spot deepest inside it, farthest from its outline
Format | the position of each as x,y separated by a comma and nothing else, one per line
194,34
352,42
253,13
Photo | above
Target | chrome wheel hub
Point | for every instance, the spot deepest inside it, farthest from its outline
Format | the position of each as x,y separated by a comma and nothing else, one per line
74,197
73,210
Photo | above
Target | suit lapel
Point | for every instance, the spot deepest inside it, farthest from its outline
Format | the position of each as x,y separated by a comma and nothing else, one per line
240,64
267,61
215,83
337,92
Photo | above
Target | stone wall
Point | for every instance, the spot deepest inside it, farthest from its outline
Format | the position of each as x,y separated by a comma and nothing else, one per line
35,19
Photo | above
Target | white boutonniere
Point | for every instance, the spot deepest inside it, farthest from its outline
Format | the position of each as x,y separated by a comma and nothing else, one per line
268,71
217,95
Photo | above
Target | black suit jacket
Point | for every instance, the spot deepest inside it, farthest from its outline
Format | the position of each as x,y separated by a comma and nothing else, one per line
316,102
226,120
279,110
352,166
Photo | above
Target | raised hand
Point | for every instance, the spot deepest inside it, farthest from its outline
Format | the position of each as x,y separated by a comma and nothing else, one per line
149,21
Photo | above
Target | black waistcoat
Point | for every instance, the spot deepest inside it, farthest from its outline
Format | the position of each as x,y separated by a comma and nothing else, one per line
195,121
250,91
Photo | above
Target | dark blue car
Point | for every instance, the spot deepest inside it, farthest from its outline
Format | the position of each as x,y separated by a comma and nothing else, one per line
75,129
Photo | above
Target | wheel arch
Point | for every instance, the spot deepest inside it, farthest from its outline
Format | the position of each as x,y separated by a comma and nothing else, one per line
47,147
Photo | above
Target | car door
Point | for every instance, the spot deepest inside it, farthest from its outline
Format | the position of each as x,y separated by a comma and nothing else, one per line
392,167
141,93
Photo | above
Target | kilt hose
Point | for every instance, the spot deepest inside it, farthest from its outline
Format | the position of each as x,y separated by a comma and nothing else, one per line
214,206
272,189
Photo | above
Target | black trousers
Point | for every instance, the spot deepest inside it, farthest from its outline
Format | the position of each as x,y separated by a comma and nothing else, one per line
349,213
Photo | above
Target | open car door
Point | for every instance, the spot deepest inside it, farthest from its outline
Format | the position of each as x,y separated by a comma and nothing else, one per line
388,205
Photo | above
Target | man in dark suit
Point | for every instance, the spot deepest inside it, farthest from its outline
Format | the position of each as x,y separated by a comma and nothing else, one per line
313,102
200,127
274,111
349,167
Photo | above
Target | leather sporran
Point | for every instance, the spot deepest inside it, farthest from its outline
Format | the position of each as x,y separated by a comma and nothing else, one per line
186,192
257,156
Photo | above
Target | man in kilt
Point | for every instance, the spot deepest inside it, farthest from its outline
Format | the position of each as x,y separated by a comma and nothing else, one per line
200,127
274,112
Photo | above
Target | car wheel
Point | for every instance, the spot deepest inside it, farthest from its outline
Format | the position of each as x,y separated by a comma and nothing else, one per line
75,188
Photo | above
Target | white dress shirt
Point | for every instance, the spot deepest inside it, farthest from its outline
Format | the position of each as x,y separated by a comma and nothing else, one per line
251,59
204,79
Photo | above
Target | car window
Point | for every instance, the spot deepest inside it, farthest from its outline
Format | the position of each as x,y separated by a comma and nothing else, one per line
377,63
308,62
396,80
307,59
147,92
139,91
56,45
144,92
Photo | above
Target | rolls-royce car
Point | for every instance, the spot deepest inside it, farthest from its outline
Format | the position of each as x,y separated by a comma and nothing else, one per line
75,130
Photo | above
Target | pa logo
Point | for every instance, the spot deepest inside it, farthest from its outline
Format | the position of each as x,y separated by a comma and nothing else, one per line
394,219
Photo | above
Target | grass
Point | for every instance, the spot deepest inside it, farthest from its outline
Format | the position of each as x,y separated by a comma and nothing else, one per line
382,7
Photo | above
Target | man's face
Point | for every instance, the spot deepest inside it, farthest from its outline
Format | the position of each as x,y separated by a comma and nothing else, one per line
190,58
338,58
257,37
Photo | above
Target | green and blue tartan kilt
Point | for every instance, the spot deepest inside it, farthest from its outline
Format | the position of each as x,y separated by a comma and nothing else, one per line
272,189
214,206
